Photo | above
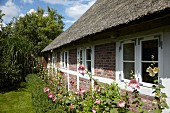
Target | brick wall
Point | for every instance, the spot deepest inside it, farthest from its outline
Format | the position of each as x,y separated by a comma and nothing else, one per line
73,78
73,59
84,83
105,61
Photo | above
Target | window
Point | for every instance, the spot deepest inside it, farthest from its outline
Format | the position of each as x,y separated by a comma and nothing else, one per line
54,59
148,48
64,59
85,57
136,55
128,59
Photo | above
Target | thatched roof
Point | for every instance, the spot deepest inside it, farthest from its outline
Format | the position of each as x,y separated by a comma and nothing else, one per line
106,14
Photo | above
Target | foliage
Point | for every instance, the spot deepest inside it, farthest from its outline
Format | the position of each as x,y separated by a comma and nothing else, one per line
22,41
103,98
41,102
159,97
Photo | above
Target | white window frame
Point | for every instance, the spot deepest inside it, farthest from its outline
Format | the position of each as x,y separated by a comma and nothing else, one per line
138,58
84,59
54,60
122,61
64,60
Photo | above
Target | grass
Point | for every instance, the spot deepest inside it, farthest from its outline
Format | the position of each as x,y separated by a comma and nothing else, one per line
16,101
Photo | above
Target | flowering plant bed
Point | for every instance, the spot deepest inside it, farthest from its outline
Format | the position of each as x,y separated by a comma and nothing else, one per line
103,98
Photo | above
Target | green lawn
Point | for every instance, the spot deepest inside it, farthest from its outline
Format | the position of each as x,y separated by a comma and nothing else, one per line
18,101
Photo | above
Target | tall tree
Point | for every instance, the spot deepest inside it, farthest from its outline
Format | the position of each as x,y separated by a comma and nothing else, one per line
23,40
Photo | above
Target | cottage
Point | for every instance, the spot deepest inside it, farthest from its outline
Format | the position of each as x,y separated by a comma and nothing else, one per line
112,38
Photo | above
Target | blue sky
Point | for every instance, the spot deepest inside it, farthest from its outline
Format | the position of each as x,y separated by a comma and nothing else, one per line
70,9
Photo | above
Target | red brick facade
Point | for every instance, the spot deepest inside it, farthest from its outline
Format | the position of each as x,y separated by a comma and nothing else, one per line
73,59
104,66
84,83
73,78
104,63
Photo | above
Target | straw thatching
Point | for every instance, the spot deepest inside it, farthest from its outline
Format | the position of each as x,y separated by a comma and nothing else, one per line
106,14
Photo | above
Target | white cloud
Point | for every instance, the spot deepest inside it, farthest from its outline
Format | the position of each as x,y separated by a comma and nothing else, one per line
63,2
10,10
76,10
31,11
28,1
21,15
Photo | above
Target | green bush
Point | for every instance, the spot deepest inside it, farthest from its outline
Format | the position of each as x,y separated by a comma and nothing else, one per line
40,100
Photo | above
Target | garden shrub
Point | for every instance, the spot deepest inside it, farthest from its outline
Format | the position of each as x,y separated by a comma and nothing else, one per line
41,102
50,95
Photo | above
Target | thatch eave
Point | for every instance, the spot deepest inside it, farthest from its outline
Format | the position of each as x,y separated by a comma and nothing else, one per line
107,14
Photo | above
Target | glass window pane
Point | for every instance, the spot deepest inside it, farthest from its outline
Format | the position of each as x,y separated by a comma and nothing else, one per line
81,62
149,48
88,54
88,66
145,75
127,68
81,54
128,52
66,59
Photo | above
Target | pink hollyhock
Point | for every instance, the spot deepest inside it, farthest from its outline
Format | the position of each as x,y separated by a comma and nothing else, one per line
134,84
97,89
97,101
82,90
51,95
94,110
92,97
121,103
77,92
71,106
71,82
81,69
54,99
46,90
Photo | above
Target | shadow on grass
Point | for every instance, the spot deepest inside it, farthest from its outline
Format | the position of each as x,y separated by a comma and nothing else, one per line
22,86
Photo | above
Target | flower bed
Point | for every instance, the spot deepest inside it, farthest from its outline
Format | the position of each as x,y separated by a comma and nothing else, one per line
103,98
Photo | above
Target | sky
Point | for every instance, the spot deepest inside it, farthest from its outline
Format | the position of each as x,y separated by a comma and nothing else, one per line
71,10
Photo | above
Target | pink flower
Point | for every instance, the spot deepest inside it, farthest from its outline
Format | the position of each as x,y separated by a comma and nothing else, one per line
81,69
94,110
71,106
46,90
97,101
121,104
71,82
77,92
51,95
97,89
92,97
134,84
54,99
82,90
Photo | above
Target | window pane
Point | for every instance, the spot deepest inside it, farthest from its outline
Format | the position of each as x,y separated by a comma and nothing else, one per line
88,66
145,75
127,68
66,59
81,54
81,62
63,59
128,52
88,54
149,48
